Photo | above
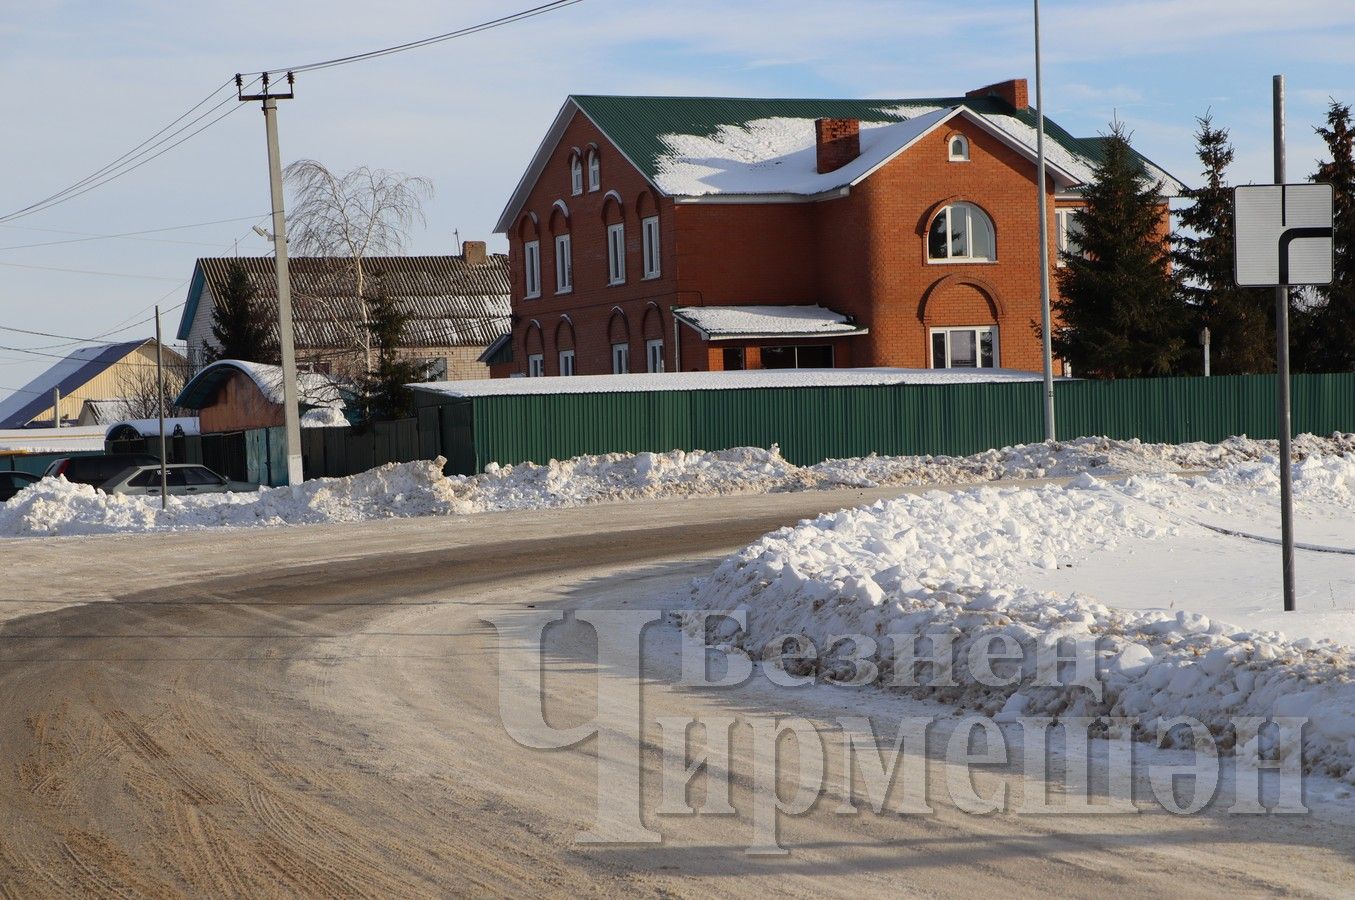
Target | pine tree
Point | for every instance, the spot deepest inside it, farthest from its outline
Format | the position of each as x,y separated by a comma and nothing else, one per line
240,325
1240,320
1118,315
1324,330
383,392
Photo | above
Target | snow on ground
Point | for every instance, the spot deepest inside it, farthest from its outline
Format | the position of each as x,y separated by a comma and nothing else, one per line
419,489
1187,616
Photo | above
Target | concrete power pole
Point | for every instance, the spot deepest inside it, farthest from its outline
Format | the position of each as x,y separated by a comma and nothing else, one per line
160,404
56,407
286,341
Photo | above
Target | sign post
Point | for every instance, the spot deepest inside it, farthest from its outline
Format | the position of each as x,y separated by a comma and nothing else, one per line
1283,236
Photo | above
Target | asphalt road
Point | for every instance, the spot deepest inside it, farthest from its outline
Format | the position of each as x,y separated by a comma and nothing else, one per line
314,711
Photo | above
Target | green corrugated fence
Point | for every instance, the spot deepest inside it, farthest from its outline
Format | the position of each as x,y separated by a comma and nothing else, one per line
815,423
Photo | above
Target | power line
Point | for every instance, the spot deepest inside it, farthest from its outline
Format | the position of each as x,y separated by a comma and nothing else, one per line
424,42
89,272
88,236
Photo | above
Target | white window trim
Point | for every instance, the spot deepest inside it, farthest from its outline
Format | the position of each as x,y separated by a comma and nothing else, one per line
531,263
621,349
564,264
1063,220
963,155
960,260
575,175
536,365
649,232
650,347
616,253
566,355
594,171
978,344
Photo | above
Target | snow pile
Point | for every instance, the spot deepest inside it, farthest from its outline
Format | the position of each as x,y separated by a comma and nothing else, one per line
57,507
937,565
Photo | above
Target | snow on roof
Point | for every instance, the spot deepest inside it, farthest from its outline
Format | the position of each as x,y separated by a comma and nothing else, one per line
716,381
766,321
315,390
778,156
68,375
52,440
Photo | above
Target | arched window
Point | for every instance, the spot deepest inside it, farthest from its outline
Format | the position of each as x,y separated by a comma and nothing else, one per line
959,148
961,232
594,171
575,175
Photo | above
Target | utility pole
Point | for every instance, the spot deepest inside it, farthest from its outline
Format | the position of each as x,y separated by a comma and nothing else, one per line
1046,325
1204,342
56,407
160,401
291,415
1282,379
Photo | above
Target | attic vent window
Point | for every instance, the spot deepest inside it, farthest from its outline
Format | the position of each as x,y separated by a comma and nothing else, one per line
959,148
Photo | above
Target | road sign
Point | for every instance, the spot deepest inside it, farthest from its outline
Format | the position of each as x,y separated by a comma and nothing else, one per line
1283,234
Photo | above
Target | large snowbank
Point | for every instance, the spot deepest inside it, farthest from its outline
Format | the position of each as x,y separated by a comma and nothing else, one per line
961,563
418,489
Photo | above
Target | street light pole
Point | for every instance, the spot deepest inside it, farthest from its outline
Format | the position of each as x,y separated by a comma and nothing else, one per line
1282,379
1046,325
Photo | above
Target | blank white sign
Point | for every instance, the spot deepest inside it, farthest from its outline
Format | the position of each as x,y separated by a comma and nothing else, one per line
1283,234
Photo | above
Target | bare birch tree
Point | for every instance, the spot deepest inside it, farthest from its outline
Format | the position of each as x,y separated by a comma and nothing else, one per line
363,212
139,391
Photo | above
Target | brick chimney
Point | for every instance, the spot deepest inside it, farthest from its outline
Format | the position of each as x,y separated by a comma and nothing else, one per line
1013,91
837,142
473,252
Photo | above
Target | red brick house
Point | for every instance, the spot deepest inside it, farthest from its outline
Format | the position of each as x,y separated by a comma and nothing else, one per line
686,234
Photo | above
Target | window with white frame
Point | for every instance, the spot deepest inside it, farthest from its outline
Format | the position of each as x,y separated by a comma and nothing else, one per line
575,175
649,231
536,365
566,362
620,358
654,354
959,148
1068,231
564,265
961,232
531,269
967,347
616,253
594,171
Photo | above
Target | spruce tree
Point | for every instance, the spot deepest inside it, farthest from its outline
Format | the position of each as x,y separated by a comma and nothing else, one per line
1118,314
383,392
1324,328
240,325
1240,320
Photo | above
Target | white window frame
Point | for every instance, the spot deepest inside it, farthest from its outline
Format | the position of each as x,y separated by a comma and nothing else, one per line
616,253
536,365
963,142
621,358
978,331
969,209
566,362
1063,227
649,231
575,175
564,264
654,355
531,266
594,171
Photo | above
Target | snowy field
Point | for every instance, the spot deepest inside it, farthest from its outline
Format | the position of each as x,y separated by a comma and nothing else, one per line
1176,576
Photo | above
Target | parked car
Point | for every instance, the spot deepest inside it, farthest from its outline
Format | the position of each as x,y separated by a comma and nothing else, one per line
13,482
97,469
180,478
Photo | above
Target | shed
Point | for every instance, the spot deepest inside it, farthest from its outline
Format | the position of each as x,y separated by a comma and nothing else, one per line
235,395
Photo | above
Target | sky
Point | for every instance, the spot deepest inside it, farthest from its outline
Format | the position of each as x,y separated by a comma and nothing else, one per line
87,80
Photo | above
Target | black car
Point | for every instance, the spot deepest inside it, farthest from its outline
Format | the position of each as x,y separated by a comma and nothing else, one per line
95,470
13,482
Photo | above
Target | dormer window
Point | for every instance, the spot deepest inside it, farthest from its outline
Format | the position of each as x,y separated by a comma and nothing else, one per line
594,171
575,175
959,148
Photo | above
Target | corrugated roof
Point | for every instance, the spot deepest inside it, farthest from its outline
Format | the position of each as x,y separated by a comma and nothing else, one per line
451,302
642,128
69,375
